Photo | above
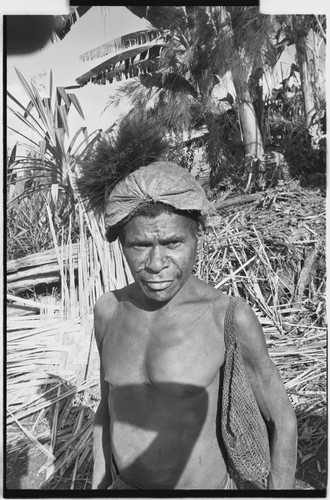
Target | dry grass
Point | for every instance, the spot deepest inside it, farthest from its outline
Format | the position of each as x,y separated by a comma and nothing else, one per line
271,253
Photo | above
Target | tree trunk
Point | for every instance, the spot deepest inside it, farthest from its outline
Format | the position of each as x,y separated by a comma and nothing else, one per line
241,68
300,30
250,129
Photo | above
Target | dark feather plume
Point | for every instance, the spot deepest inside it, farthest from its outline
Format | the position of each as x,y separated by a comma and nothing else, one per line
139,141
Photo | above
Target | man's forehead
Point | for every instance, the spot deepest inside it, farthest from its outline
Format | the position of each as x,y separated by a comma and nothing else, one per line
165,225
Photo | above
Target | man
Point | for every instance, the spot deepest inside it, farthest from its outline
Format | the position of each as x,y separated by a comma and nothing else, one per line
161,345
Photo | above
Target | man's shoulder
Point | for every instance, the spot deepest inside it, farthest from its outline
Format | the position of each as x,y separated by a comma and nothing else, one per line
107,304
206,296
242,312
220,300
209,293
102,304
104,311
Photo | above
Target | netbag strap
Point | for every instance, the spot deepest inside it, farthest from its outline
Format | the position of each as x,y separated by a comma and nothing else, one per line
230,332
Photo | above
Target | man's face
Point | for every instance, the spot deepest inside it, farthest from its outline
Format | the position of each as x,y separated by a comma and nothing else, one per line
160,252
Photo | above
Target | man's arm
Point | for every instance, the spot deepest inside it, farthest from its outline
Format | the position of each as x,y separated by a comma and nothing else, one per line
102,477
271,397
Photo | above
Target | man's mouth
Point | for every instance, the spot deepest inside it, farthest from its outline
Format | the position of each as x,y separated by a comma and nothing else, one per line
158,285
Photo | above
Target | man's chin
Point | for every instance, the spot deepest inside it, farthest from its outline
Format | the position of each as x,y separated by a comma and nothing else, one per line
154,296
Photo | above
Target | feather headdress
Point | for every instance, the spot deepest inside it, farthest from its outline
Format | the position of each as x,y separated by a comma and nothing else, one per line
138,142
126,171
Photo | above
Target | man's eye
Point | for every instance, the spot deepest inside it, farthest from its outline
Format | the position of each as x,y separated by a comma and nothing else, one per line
141,246
173,244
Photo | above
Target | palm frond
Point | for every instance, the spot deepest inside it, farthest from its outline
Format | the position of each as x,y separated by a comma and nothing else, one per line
127,90
169,81
47,119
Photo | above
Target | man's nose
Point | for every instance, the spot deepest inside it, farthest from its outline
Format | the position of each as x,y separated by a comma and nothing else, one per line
157,259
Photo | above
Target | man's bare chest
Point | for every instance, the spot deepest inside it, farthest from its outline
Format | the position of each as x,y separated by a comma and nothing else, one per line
176,350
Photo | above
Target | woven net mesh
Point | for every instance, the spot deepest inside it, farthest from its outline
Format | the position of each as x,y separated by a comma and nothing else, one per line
243,429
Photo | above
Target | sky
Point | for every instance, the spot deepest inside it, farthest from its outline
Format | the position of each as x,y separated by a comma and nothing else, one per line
98,26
